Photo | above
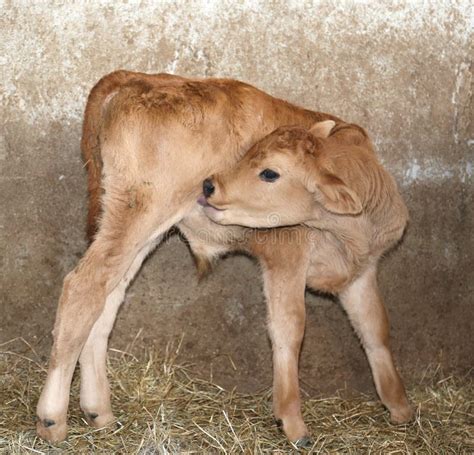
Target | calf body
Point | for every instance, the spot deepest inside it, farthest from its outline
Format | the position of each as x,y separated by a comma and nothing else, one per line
148,142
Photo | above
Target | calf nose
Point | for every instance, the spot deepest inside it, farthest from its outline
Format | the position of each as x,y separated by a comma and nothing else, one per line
208,187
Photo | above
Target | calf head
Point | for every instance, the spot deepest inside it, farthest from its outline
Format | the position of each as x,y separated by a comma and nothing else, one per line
287,178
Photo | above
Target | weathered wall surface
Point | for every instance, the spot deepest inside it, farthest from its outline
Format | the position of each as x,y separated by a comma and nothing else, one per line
401,69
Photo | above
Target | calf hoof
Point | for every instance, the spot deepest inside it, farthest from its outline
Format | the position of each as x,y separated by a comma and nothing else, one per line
304,443
402,415
293,429
51,431
97,420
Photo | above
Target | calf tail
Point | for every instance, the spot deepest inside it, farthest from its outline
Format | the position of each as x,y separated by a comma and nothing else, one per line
90,143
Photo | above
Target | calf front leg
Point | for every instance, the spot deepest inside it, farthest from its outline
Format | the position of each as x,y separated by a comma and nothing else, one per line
284,289
366,310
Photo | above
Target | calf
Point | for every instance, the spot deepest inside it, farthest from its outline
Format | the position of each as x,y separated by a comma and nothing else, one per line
327,178
148,142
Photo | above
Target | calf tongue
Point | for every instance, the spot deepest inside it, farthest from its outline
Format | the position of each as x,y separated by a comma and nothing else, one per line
202,201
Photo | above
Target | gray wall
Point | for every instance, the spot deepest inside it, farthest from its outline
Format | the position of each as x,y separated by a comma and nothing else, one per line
403,70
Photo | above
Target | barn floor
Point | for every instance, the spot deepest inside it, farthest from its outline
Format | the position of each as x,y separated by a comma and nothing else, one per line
163,409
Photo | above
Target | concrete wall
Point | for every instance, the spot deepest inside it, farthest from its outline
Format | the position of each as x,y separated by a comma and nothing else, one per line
401,69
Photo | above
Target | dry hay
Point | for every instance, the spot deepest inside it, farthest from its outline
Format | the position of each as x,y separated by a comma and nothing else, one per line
163,409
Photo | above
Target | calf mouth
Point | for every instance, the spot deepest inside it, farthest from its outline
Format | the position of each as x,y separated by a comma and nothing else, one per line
204,202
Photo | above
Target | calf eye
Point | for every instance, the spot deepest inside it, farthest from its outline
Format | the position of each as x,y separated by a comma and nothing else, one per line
267,175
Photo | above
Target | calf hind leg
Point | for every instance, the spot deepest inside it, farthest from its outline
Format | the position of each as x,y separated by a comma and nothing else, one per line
79,306
95,392
124,232
365,309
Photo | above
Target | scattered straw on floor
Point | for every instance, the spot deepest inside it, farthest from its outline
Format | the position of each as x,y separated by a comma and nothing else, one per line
162,409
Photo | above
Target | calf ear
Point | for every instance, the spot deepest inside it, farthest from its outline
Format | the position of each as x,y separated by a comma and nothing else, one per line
336,197
322,129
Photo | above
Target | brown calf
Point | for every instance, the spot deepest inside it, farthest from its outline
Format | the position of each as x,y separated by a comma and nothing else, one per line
149,141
